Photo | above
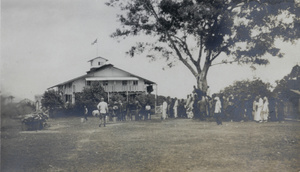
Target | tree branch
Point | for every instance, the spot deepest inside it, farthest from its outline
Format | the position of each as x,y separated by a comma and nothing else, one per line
186,49
200,50
225,62
151,9
215,56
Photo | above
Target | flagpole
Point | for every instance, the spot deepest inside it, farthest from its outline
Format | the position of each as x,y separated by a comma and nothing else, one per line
97,47
96,42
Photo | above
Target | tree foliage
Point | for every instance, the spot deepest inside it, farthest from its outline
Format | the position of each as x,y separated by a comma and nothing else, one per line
288,82
52,99
196,32
246,89
90,96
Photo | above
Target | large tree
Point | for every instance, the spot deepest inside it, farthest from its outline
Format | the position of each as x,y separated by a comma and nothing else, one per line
196,32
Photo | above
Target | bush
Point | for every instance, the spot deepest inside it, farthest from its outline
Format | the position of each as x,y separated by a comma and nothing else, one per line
90,97
34,121
52,100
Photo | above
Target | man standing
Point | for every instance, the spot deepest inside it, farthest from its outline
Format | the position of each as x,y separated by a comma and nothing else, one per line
85,113
175,107
218,108
103,109
148,112
164,109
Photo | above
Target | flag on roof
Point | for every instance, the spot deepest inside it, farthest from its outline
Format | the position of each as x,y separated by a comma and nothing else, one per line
94,42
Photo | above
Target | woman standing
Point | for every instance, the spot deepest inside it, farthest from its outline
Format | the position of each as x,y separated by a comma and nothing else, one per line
259,106
164,109
189,108
218,108
265,110
175,108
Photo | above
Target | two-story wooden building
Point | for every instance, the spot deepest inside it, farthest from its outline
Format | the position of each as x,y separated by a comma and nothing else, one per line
112,79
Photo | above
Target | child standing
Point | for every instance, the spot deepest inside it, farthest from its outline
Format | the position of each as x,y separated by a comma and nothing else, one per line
85,113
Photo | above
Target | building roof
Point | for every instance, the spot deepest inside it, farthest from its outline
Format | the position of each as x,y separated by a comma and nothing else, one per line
71,80
111,79
132,77
97,58
146,80
296,91
108,65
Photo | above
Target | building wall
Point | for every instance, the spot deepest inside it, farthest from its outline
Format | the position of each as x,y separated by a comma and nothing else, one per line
78,85
95,62
117,86
110,72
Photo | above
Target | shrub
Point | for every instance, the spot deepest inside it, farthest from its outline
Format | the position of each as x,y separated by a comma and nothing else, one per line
52,100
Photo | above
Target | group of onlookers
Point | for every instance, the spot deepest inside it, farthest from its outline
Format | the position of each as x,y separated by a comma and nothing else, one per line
261,109
197,105
122,111
201,106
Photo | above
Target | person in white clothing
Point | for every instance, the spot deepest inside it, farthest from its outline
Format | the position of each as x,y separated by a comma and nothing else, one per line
175,108
103,109
259,107
218,108
164,109
189,109
265,110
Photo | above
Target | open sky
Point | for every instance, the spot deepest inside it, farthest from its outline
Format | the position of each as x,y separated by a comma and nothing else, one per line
46,42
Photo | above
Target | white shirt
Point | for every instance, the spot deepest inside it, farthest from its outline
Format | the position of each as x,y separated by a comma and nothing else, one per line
102,106
175,104
218,106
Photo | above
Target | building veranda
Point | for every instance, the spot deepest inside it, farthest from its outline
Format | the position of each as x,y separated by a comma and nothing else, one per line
112,79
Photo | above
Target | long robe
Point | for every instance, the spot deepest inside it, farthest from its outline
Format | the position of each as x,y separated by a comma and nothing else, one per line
175,107
259,105
164,110
189,109
265,110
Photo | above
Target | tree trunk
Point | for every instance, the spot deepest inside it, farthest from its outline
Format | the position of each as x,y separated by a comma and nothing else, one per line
202,83
201,79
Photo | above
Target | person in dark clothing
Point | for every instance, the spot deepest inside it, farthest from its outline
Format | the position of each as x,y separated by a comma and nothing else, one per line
86,111
116,110
231,108
280,111
239,111
272,109
181,109
196,109
249,107
136,110
202,108
198,92
123,110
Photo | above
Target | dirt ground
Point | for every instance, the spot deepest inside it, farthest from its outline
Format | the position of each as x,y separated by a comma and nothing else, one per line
171,145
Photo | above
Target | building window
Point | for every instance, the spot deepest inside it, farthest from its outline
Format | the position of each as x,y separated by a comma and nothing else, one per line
135,82
105,83
99,63
124,82
68,98
88,83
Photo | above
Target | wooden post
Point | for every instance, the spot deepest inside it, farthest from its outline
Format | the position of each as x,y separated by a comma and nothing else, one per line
127,90
155,96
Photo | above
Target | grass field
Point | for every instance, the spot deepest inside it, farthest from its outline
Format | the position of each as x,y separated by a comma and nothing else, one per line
171,145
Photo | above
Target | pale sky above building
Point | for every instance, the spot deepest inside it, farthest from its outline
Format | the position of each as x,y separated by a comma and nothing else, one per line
46,42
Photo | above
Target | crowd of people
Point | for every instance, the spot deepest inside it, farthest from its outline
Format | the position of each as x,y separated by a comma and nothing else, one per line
197,105
122,111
